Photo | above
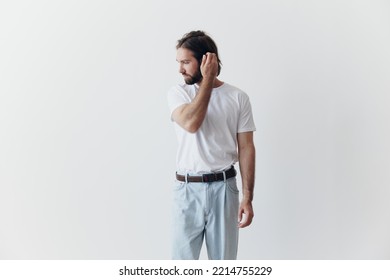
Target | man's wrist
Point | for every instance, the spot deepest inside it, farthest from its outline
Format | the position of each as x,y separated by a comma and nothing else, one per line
209,79
247,199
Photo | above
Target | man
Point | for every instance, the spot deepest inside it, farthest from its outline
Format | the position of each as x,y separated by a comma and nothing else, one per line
214,126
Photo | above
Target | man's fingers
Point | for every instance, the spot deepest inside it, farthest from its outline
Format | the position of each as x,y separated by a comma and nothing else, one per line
246,222
245,216
209,57
240,215
209,64
242,218
203,62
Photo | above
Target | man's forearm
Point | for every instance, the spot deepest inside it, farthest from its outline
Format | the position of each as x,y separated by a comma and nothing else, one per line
194,113
247,167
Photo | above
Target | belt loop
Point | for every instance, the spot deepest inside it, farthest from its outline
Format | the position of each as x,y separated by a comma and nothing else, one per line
186,178
224,176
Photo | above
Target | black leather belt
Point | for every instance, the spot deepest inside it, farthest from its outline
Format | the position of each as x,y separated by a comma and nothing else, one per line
209,177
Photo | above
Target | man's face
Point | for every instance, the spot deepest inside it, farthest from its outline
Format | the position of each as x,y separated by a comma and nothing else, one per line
188,66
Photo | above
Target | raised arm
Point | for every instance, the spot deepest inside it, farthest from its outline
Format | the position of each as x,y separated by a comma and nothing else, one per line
190,116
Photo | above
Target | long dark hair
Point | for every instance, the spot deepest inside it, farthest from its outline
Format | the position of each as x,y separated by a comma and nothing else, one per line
199,43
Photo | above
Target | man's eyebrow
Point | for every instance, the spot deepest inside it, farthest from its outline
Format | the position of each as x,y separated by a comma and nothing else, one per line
183,60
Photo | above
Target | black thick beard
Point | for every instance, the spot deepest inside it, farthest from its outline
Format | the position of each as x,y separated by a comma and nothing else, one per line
194,79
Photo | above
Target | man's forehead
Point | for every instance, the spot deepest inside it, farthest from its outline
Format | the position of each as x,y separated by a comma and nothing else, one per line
184,54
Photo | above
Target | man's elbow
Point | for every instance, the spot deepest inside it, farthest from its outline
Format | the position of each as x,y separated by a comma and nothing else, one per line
191,127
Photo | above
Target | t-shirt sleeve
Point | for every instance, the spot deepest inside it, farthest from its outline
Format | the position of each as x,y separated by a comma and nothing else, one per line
177,97
245,121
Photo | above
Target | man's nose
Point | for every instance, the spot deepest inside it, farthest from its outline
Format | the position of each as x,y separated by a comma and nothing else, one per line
181,69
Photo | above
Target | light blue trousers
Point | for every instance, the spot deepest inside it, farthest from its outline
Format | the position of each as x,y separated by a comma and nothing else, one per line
205,211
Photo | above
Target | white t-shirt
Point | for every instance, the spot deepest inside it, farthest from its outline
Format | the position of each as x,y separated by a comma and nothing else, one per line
214,146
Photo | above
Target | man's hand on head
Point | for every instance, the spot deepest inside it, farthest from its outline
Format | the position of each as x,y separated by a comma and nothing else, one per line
209,66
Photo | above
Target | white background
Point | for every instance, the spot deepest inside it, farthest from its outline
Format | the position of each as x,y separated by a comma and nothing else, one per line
87,149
